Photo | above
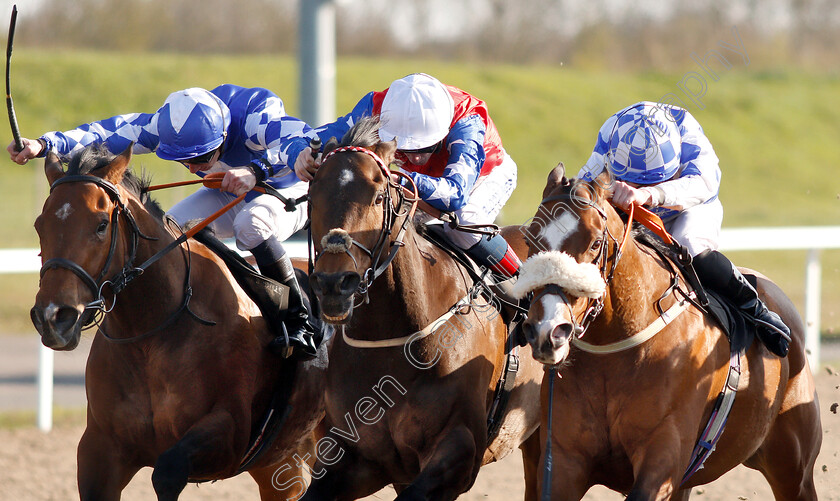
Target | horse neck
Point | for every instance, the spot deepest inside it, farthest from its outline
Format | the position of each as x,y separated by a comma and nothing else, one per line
412,287
638,281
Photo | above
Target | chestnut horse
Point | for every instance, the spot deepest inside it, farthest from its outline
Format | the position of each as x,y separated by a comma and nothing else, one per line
629,411
411,377
178,375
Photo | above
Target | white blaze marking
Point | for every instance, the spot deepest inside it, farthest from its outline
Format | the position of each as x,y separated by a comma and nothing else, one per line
345,178
64,211
556,231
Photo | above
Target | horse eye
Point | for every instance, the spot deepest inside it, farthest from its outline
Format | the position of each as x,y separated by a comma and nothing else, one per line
103,225
380,197
596,245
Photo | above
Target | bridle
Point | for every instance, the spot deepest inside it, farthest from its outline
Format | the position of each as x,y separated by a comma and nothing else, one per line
127,273
606,265
391,213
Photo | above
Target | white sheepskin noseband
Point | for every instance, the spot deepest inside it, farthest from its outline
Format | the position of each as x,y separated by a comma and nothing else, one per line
559,268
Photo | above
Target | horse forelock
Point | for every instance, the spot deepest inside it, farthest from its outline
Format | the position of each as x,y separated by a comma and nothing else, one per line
97,156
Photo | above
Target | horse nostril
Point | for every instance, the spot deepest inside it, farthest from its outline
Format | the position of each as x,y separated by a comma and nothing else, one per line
529,331
560,334
37,317
315,283
349,283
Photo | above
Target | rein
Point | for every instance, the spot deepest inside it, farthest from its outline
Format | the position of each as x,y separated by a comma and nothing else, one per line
389,220
128,272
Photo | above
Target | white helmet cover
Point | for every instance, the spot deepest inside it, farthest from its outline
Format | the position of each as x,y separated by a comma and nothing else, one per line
417,111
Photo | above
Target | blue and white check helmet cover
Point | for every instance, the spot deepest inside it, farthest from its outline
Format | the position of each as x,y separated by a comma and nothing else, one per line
190,123
644,146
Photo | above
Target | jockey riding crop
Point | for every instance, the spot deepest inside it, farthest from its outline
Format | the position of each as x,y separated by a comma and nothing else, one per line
9,104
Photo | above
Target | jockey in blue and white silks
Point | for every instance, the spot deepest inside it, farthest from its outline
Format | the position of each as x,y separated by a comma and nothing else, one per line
449,145
243,132
661,155
658,156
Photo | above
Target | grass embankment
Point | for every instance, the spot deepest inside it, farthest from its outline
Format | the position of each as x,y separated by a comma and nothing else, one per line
775,134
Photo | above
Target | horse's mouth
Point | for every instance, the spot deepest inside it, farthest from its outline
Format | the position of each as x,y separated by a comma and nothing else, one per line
336,312
336,319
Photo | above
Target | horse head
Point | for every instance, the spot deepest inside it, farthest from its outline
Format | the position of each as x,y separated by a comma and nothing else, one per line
571,249
356,218
80,244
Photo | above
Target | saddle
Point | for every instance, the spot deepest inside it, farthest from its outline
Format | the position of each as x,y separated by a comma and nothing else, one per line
496,289
271,297
729,318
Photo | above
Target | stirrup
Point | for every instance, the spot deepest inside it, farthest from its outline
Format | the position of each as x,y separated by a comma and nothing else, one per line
281,345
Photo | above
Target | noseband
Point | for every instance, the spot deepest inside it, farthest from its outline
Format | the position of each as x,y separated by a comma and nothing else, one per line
339,240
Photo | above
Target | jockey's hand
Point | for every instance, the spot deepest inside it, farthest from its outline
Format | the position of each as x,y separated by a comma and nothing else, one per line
238,181
31,149
305,165
624,195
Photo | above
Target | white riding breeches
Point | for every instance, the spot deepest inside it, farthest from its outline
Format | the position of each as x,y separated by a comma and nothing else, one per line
697,228
489,195
250,223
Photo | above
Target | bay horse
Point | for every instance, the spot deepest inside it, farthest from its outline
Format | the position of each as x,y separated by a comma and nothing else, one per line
412,376
629,409
178,375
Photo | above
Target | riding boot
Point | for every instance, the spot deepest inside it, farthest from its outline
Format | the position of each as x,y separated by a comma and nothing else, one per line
299,335
494,253
717,272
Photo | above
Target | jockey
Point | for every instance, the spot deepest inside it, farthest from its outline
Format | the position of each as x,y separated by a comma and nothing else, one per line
450,147
243,132
659,157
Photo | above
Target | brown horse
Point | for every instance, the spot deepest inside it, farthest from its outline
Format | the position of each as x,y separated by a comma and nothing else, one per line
628,411
410,386
178,376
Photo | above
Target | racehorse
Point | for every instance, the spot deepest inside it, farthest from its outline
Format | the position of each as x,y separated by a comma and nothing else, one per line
635,395
412,376
178,375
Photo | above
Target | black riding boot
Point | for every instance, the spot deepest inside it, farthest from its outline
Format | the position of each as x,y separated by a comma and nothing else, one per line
718,273
275,264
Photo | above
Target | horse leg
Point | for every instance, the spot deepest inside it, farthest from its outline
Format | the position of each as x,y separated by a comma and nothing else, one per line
350,477
531,460
787,457
280,482
654,466
102,474
207,447
450,470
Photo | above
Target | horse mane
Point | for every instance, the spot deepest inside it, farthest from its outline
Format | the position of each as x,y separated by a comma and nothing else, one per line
364,133
96,156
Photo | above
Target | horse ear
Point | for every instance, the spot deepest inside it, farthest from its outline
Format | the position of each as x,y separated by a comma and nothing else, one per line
386,151
52,168
331,145
115,171
556,177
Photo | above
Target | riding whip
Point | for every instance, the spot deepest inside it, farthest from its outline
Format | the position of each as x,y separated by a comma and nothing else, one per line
9,104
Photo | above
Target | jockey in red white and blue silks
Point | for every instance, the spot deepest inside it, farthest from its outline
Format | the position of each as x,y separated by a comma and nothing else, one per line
658,156
243,132
449,145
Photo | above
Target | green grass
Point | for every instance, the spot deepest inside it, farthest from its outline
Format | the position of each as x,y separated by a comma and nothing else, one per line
774,131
